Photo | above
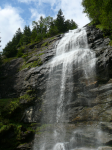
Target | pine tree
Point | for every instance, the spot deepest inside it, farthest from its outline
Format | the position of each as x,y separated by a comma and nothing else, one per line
0,53
60,21
10,49
44,28
26,37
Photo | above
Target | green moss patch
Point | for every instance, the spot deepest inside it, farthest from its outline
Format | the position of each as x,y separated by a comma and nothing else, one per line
45,44
32,64
110,43
5,60
100,27
40,54
27,97
8,105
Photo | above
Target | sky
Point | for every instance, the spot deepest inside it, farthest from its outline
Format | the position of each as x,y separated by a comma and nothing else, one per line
16,14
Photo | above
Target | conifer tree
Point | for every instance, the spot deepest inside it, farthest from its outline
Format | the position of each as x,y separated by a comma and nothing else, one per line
45,27
0,53
60,21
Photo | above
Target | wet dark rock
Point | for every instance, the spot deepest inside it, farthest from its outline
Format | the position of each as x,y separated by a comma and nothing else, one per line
93,105
24,146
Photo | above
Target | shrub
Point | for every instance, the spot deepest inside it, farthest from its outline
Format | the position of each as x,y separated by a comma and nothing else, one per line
20,53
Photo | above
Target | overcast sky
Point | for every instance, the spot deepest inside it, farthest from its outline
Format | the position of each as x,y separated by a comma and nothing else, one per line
16,14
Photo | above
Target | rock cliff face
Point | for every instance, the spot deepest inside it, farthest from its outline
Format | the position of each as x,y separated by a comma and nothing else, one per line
79,113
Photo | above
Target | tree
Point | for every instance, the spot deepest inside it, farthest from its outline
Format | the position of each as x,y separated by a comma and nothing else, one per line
70,25
60,21
0,58
10,49
100,12
53,30
26,37
45,27
34,34
41,28
0,54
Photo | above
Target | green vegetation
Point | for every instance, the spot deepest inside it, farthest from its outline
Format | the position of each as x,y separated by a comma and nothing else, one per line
0,58
27,97
25,56
5,60
45,44
8,105
11,111
100,27
99,12
110,43
40,54
44,28
32,64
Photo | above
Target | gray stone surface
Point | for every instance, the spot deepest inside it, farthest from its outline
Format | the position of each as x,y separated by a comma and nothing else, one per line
93,105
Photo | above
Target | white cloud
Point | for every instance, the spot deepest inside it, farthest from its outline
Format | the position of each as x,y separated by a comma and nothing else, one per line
35,16
52,2
71,9
26,1
10,21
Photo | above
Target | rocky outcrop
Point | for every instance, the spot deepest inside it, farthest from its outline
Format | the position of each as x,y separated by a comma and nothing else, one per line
17,80
83,110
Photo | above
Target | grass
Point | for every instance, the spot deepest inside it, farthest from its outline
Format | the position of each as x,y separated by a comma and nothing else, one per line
40,54
52,38
110,43
100,27
29,91
4,102
9,104
5,60
27,97
45,44
32,64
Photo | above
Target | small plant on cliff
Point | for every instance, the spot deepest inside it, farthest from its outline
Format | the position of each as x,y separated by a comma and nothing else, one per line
45,44
26,97
110,43
100,27
32,64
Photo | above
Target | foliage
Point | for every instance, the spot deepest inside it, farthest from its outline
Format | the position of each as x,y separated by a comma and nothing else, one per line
0,58
60,20
99,12
25,57
26,97
110,43
44,44
8,105
10,49
20,52
44,28
5,60
11,123
40,54
32,64
100,27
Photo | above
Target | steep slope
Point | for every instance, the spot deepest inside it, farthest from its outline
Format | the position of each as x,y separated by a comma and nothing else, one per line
19,79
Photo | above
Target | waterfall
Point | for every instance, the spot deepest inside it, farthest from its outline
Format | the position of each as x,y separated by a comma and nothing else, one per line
74,63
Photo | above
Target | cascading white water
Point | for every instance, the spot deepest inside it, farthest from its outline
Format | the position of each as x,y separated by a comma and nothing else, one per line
72,54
